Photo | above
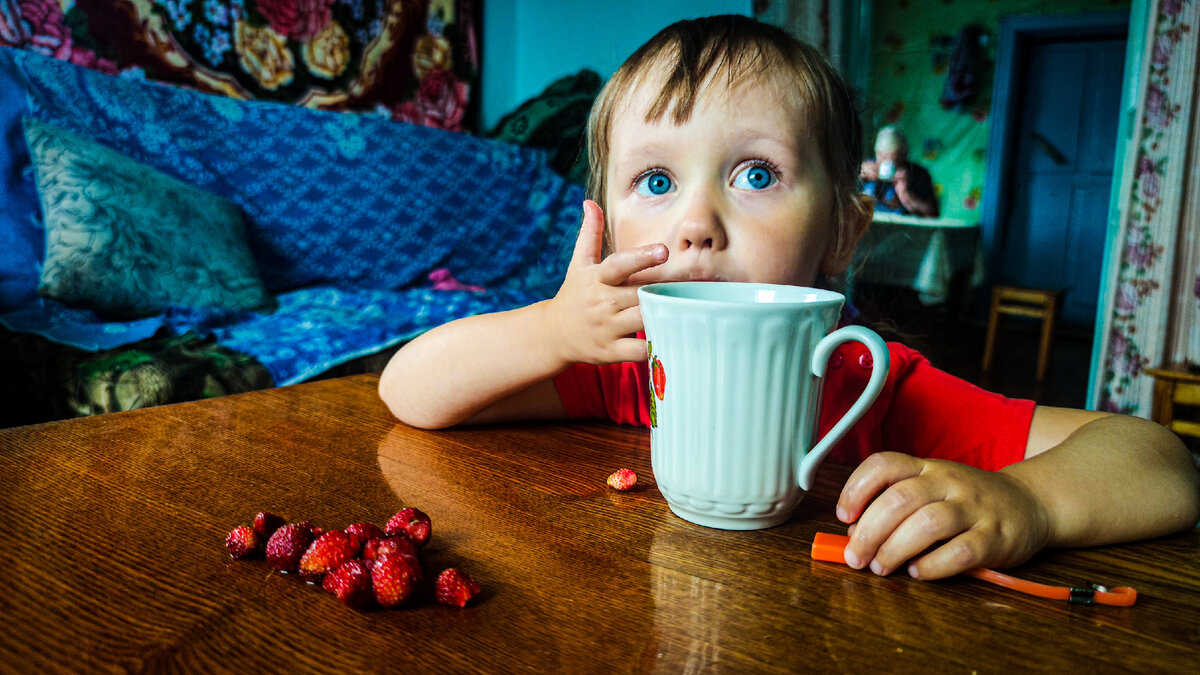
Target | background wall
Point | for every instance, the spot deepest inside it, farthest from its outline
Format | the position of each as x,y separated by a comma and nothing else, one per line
527,44
913,40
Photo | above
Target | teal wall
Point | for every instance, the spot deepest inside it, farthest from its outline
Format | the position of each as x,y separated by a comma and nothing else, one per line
908,62
527,44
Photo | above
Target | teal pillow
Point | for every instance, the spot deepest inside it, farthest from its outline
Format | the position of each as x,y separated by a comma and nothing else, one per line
126,239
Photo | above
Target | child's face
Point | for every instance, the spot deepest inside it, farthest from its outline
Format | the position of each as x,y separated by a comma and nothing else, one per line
737,193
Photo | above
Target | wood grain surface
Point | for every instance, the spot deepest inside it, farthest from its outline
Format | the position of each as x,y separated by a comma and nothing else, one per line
112,549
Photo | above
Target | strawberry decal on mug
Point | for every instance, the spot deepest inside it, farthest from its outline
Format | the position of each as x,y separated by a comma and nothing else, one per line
658,375
658,383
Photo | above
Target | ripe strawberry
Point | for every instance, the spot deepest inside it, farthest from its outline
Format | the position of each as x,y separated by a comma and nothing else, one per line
265,524
287,546
622,479
364,532
394,578
658,374
456,588
351,583
411,523
376,549
242,542
327,553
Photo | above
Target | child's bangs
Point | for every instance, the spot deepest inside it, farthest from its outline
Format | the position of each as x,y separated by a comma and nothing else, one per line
689,72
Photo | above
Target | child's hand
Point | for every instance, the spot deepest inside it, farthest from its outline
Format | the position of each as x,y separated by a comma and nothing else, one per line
596,311
970,517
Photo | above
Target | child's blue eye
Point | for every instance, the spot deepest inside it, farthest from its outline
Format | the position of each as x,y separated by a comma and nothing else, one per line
754,178
654,184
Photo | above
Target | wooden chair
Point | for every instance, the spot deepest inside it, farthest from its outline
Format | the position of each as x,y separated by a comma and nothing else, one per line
1177,385
1033,302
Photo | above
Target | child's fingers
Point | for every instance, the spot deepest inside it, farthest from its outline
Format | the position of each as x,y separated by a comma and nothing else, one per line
629,320
958,555
895,479
632,349
590,244
617,269
872,477
884,516
929,524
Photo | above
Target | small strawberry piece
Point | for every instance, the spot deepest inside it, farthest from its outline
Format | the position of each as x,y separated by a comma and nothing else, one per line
364,532
265,524
351,583
327,553
242,542
622,479
411,523
377,549
394,578
287,546
456,588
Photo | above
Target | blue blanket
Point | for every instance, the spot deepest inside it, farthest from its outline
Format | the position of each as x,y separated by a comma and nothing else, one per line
347,215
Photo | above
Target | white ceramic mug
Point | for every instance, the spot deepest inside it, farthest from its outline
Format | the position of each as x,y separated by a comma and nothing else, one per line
887,170
736,372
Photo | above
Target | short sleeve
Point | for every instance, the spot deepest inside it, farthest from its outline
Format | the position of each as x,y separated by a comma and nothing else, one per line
936,415
618,392
923,412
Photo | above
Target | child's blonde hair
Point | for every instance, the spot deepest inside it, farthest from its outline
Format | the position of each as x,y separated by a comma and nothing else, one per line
699,53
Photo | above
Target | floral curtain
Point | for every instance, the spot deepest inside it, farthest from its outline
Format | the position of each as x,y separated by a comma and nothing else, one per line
1153,282
412,60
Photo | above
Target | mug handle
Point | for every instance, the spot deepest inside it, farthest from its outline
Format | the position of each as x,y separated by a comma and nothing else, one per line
882,361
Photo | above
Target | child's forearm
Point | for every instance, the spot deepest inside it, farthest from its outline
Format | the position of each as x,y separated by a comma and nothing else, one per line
1114,479
451,373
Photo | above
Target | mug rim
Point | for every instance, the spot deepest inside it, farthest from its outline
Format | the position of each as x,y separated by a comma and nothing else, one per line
664,291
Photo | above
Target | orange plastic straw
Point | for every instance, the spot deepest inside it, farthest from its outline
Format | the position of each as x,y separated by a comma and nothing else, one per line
832,548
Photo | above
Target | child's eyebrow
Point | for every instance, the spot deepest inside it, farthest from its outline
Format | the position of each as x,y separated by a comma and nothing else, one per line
785,141
646,152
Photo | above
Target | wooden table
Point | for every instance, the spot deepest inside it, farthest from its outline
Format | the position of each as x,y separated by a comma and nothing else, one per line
112,547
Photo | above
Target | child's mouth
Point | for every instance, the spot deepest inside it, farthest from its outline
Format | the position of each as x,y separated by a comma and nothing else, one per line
705,276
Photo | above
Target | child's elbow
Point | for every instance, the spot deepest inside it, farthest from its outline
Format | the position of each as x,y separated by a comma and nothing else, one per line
1186,467
402,408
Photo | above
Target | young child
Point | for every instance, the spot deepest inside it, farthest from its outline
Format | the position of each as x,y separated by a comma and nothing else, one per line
724,150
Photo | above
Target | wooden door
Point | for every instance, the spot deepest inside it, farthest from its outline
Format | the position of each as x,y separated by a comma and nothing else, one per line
1066,132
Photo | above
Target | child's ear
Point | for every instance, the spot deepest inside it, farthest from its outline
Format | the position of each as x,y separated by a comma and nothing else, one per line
856,218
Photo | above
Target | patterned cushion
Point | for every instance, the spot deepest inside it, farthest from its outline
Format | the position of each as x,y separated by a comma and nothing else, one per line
126,239
20,229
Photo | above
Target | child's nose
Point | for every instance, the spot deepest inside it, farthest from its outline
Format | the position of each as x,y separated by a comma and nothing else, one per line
702,226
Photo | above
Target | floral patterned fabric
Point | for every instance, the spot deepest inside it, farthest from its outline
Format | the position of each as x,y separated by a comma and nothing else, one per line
348,215
1140,301
410,60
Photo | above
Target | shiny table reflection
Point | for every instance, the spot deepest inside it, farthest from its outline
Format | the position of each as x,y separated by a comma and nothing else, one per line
113,531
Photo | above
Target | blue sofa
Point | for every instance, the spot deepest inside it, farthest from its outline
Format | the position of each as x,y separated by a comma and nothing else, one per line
346,216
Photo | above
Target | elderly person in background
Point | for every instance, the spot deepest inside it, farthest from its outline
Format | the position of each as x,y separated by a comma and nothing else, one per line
897,184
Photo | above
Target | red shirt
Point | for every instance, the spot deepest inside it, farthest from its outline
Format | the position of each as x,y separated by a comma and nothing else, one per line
921,411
